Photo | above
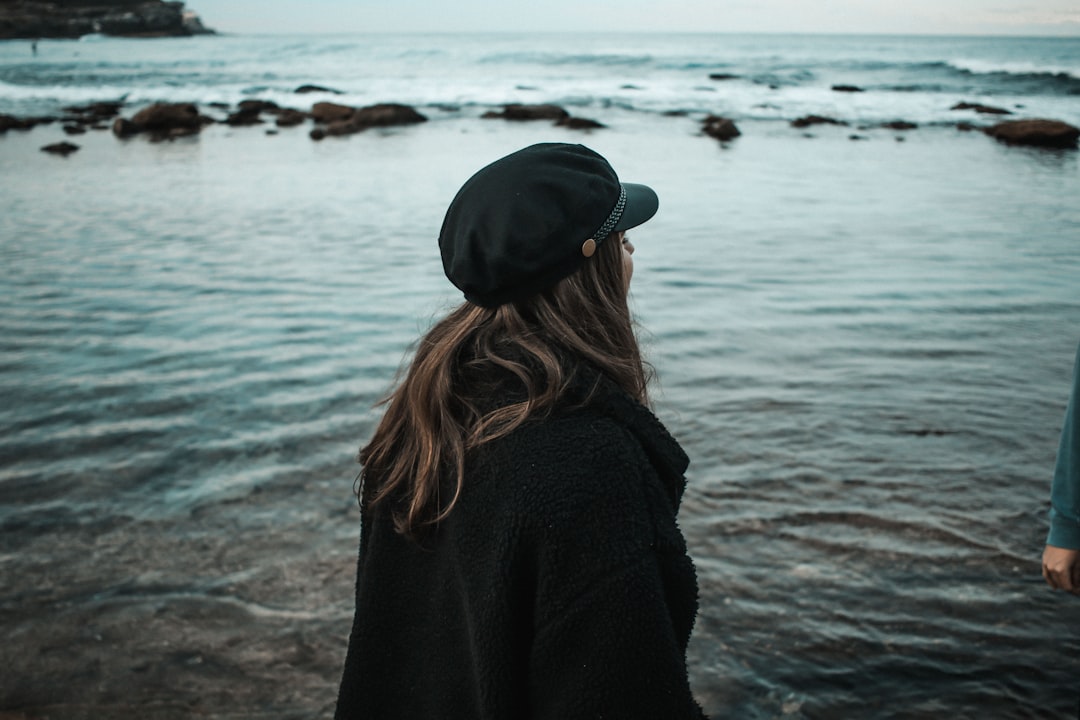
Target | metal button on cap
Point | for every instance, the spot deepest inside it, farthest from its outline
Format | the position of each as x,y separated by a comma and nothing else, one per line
588,248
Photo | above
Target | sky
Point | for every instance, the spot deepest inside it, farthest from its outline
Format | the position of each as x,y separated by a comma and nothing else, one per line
934,17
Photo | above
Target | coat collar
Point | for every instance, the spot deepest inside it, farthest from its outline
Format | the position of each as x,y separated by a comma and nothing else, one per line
599,394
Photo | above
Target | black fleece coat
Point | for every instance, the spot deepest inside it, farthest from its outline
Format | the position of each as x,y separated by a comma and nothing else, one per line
558,587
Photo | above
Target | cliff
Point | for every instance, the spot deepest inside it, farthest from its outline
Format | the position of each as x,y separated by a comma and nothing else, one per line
32,19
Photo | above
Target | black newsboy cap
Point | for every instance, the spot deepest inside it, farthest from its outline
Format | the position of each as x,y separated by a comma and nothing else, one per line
520,225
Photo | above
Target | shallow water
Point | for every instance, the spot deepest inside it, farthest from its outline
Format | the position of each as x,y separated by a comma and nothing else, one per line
864,346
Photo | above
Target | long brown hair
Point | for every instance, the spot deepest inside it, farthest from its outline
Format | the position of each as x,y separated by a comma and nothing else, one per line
442,409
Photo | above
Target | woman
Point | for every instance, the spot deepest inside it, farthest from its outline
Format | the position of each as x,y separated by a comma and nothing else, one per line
519,554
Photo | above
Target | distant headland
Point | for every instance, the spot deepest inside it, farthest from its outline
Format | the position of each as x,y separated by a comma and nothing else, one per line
34,19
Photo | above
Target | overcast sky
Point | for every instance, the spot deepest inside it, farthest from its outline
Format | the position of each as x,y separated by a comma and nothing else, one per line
967,17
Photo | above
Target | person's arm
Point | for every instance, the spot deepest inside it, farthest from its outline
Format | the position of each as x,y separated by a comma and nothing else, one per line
1061,558
616,592
612,652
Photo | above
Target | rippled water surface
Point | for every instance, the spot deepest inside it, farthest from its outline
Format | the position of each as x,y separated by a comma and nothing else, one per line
864,346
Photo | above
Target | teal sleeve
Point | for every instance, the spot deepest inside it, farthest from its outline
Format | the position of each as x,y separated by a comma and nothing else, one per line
1065,493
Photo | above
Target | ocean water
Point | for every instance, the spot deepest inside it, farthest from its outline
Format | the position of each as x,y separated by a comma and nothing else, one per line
864,346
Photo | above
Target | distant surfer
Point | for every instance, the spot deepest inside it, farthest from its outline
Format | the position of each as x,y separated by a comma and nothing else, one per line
33,47
1061,558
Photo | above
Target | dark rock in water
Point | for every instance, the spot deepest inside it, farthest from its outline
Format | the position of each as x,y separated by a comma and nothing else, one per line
857,137
248,112
1037,132
33,19
984,109
723,76
809,120
124,128
10,122
516,111
966,127
899,125
242,118
258,106
60,148
290,118
576,123
95,111
317,88
720,128
847,88
387,114
74,130
675,113
163,121
327,112
337,122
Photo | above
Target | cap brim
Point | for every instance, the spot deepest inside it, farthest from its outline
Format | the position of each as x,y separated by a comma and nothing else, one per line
641,204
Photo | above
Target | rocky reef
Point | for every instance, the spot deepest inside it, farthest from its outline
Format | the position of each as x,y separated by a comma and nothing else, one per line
33,19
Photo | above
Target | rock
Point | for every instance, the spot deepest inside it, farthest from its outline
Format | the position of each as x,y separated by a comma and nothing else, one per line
60,148
723,76
10,122
95,111
166,116
33,19
576,123
720,128
163,121
74,130
899,125
387,114
327,112
809,120
248,112
123,128
258,106
966,127
847,88
317,88
984,109
243,118
857,137
1037,132
359,119
516,111
290,118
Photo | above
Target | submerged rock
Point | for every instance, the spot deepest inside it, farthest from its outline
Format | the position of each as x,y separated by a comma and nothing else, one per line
162,121
517,111
847,88
720,128
60,148
983,109
576,123
10,122
328,112
808,120
288,117
317,88
94,112
899,125
1037,132
340,122
723,76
